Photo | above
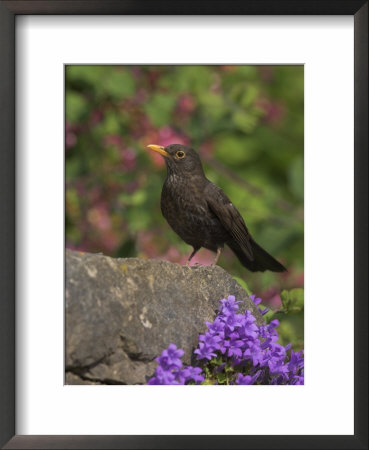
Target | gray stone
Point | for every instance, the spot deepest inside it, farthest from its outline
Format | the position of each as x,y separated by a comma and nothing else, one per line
71,378
121,313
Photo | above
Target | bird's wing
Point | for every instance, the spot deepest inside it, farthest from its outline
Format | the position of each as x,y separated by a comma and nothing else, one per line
229,217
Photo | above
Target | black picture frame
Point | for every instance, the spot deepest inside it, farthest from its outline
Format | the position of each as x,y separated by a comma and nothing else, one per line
8,12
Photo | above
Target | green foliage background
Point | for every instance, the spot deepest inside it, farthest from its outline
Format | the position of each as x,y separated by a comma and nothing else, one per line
247,122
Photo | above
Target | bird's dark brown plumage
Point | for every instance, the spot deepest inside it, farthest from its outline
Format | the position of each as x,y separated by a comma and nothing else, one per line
202,215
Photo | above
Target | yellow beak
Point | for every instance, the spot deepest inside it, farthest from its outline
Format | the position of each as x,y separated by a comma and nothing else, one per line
159,149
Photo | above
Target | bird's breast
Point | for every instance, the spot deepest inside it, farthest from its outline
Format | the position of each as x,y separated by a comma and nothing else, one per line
184,206
182,198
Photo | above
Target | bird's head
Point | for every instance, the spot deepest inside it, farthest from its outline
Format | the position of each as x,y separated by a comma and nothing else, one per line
180,159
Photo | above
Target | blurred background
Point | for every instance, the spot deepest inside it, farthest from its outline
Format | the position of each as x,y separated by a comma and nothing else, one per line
246,122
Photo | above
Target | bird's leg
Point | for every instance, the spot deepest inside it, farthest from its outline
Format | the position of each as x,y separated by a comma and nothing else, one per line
219,251
195,250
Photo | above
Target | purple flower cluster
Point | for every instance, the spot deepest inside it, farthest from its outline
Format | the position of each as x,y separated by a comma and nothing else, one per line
170,371
234,350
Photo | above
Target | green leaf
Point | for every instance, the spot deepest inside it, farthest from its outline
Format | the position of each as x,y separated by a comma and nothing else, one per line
217,361
232,149
159,109
207,381
296,177
249,95
213,105
135,199
111,123
243,284
269,316
221,377
244,121
92,75
119,84
195,79
293,300
138,219
75,106
229,369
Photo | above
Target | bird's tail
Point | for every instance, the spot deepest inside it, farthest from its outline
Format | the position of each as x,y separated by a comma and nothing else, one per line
262,260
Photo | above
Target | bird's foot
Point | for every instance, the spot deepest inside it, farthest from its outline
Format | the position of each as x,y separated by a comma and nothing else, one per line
193,266
187,265
219,251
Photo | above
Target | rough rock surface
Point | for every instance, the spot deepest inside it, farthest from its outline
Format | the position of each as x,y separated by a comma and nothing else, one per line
121,313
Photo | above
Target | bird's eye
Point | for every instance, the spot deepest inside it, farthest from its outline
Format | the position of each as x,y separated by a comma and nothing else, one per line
180,154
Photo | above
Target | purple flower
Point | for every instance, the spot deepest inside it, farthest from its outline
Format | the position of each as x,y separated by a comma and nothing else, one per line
273,324
163,376
229,305
234,350
296,362
215,327
256,300
298,380
210,340
204,352
169,358
254,352
192,373
249,328
233,320
247,379
232,347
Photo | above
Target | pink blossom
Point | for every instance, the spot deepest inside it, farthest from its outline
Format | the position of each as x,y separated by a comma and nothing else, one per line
207,149
169,136
113,139
128,158
96,116
186,104
274,112
110,240
98,216
70,136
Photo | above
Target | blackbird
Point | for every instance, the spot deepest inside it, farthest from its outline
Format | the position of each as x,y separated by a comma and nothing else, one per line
202,215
